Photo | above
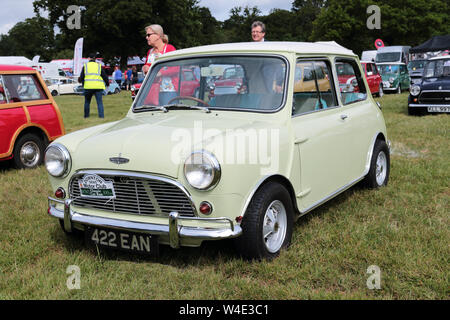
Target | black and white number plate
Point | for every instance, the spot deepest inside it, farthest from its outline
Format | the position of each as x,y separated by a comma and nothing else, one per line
123,240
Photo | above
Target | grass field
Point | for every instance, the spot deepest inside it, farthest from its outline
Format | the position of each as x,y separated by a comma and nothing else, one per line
403,229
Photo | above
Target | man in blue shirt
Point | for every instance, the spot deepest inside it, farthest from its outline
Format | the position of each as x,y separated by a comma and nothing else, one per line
129,76
117,75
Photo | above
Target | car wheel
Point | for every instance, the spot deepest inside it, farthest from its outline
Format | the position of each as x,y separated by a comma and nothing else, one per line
378,175
28,152
417,111
116,90
380,91
267,224
54,93
74,232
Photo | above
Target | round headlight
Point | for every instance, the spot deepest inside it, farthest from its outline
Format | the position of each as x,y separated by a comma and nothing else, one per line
391,80
202,170
57,160
415,90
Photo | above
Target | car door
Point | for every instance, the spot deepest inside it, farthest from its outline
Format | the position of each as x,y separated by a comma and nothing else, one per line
319,131
369,76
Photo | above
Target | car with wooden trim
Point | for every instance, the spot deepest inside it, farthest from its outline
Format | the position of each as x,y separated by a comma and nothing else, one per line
29,116
181,169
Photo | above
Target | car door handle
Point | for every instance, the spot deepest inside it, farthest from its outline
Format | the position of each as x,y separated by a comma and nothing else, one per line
344,116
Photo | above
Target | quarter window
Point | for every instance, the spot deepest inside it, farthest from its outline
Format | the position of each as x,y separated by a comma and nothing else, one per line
313,89
351,84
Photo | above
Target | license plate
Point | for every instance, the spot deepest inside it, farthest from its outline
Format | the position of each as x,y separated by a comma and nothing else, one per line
123,240
438,109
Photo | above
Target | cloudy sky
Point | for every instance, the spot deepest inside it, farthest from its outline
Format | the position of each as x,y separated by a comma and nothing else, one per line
13,11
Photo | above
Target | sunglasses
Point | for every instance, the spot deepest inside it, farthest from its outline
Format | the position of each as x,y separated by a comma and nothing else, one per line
149,34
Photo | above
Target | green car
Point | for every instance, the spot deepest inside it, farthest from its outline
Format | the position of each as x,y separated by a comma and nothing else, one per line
395,77
245,163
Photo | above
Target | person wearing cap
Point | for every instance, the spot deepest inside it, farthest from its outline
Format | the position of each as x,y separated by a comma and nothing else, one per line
94,81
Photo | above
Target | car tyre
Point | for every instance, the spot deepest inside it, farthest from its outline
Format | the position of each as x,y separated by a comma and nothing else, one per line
378,175
28,151
267,224
54,93
116,90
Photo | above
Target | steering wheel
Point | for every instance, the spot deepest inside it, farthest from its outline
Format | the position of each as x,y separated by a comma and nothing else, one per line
189,98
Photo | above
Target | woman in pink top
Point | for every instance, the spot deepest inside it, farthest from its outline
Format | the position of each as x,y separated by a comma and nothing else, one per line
159,43
167,86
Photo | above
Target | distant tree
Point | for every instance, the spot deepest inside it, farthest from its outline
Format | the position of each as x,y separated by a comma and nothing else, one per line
31,37
280,25
115,28
407,22
237,28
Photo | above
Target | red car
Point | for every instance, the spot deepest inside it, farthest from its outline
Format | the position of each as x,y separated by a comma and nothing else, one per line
189,84
231,82
373,78
29,116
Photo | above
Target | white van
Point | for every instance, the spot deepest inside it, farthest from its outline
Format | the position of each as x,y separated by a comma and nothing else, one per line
393,54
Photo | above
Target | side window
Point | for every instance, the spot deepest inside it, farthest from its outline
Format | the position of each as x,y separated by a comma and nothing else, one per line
23,88
375,70
313,89
351,84
369,70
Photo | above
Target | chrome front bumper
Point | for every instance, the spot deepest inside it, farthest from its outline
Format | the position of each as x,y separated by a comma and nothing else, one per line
175,232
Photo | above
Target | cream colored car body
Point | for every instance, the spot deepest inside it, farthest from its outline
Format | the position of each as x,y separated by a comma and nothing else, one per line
320,154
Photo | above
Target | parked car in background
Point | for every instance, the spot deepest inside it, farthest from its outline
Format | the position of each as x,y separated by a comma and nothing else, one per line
415,69
241,165
395,77
373,77
112,88
189,84
432,93
58,86
29,116
231,81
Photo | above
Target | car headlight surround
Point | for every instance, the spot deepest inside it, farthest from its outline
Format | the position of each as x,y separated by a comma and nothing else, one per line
391,80
202,170
57,160
415,90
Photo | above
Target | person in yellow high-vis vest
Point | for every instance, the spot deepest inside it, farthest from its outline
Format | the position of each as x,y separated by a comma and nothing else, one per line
94,81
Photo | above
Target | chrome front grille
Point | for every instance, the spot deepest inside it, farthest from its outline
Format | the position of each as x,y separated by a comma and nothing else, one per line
137,194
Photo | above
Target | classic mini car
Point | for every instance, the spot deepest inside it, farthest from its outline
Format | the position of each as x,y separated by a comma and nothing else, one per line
373,78
61,86
432,93
181,169
29,117
231,81
415,69
395,77
112,88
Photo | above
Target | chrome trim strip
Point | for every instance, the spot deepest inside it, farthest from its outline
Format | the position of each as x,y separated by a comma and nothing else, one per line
425,105
174,230
436,91
138,175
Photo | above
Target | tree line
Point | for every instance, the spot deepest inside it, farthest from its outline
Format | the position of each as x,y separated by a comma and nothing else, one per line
115,28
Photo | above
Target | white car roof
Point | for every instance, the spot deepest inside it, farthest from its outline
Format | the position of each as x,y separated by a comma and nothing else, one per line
399,63
329,47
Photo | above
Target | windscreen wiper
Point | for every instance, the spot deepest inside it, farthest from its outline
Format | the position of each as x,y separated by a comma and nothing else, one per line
181,105
147,106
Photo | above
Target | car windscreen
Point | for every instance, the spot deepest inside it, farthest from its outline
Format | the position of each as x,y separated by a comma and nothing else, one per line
437,68
417,64
388,57
258,83
388,68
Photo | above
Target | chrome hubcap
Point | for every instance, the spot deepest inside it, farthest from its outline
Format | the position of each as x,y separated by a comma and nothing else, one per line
275,226
29,154
381,168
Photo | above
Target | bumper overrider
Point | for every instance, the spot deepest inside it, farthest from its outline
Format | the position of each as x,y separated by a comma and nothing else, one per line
174,230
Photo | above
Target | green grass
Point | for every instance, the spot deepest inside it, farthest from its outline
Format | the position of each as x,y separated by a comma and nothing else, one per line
403,229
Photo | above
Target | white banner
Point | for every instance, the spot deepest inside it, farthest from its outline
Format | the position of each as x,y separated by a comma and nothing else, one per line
77,57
